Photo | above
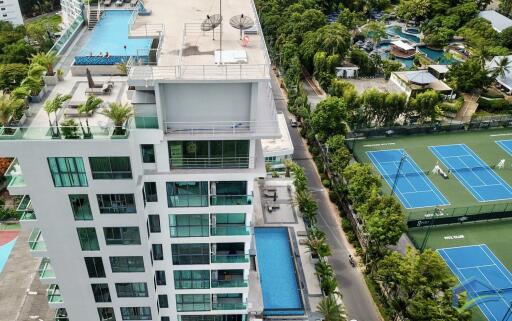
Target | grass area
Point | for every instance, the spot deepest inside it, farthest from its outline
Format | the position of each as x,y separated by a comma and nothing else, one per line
496,234
481,142
51,20
9,227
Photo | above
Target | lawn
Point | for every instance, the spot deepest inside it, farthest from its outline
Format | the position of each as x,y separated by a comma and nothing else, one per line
461,200
51,20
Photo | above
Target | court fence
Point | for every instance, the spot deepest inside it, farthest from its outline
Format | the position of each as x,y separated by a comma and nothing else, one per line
453,215
450,125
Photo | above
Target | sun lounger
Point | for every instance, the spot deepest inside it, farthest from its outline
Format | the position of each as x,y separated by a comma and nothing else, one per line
105,89
107,2
119,3
271,206
269,194
302,233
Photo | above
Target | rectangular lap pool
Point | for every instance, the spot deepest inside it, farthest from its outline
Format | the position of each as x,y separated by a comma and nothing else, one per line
110,36
278,277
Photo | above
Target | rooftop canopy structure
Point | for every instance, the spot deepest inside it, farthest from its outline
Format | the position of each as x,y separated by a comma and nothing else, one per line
498,21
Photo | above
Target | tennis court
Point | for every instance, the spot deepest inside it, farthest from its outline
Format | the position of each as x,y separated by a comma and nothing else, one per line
406,179
473,173
483,276
506,145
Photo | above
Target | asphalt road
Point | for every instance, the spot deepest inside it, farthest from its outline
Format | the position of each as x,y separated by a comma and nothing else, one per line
356,296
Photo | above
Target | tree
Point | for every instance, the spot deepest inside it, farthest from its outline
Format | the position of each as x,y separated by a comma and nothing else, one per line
349,19
333,39
119,114
389,66
339,87
317,243
439,37
323,269
7,108
425,104
506,37
361,181
376,30
91,104
328,285
363,61
329,118
47,60
330,309
53,106
413,9
11,75
468,76
502,67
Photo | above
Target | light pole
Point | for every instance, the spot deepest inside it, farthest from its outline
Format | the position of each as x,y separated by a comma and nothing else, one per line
402,159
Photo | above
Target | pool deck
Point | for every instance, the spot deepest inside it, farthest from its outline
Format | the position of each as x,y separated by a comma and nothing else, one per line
22,296
288,216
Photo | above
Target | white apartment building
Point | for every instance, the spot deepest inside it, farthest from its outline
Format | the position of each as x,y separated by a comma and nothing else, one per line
10,11
70,10
153,222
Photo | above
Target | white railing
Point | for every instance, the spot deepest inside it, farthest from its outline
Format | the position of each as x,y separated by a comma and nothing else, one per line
199,72
269,127
260,32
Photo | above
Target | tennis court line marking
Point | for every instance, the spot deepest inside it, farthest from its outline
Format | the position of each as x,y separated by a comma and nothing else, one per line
501,263
476,267
397,164
438,195
504,146
460,275
378,145
468,186
497,135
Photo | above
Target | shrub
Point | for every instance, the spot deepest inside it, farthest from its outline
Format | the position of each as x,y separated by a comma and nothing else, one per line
8,213
495,105
326,183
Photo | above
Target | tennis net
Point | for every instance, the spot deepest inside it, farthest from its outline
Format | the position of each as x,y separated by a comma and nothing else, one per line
469,169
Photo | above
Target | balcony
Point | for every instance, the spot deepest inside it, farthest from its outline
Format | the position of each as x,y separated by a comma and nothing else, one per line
70,132
26,211
45,270
230,258
209,163
142,122
220,129
13,174
61,315
229,230
36,242
235,283
229,306
222,200
53,294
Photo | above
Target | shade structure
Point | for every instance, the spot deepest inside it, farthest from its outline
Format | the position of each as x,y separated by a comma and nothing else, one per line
241,22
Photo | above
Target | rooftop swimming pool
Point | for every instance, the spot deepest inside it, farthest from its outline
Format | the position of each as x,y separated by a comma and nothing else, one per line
278,277
5,250
110,37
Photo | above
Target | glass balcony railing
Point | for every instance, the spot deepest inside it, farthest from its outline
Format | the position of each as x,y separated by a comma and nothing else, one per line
146,122
25,209
69,132
53,294
28,216
45,270
209,162
61,315
233,283
13,174
36,241
229,306
216,200
227,230
230,258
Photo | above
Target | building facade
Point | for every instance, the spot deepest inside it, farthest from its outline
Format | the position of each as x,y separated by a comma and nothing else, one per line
10,11
70,9
155,223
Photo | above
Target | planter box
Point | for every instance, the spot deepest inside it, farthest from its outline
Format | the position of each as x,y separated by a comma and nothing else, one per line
39,97
51,80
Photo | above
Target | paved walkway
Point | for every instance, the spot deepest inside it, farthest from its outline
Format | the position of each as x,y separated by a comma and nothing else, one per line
356,296
22,296
468,108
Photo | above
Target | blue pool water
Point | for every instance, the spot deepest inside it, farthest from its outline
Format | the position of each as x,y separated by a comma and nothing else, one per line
111,35
5,250
397,31
278,277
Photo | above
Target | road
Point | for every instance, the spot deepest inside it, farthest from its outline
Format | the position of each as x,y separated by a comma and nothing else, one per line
356,296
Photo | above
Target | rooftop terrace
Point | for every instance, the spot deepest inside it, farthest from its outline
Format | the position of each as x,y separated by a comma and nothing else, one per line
186,52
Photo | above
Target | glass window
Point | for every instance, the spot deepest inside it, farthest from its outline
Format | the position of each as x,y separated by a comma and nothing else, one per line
163,301
198,253
189,225
230,218
101,292
187,194
116,203
192,279
154,223
106,314
127,264
68,171
158,253
122,235
110,167
192,302
165,319
150,193
131,290
209,154
88,238
95,267
81,207
148,153
230,193
136,313
160,278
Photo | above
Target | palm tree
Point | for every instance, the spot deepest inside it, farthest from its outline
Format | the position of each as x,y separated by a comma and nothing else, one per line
53,106
329,285
46,60
317,244
331,310
502,68
119,114
323,269
6,110
92,103
375,30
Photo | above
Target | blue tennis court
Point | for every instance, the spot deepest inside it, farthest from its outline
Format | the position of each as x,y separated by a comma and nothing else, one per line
506,145
483,276
410,184
473,173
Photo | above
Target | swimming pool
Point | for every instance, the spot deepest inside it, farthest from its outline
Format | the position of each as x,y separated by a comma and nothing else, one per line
5,250
111,36
278,277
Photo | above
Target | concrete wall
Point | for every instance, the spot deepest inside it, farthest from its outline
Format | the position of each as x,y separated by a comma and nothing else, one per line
10,11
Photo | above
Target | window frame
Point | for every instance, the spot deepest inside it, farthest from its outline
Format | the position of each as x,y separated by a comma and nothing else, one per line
73,175
110,171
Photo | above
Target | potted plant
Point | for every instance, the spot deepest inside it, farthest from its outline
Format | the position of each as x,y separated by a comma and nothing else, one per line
69,129
47,60
119,114
60,74
53,106
87,108
6,112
